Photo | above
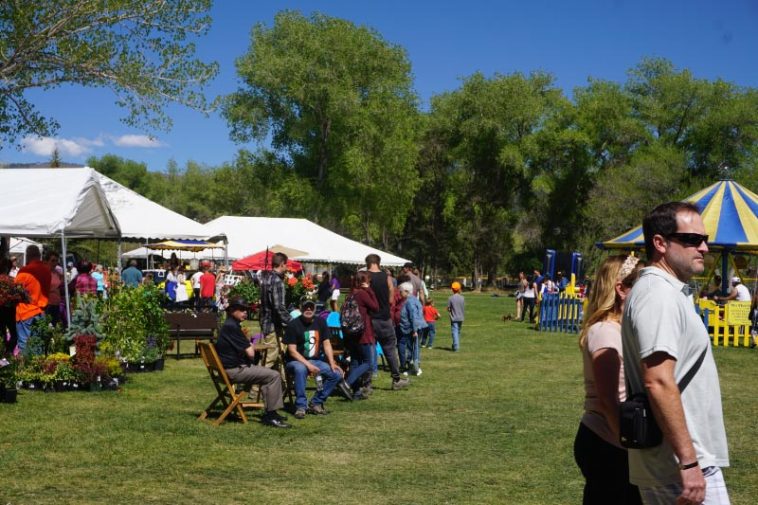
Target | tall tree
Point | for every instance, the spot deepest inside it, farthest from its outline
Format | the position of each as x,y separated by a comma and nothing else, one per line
488,126
336,100
141,49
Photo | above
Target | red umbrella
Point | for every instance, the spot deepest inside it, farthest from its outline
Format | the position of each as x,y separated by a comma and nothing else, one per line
262,261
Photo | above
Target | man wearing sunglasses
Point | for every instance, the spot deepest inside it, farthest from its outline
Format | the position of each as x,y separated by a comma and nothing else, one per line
664,340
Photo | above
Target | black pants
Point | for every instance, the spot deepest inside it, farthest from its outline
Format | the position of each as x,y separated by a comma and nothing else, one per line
606,470
8,321
384,331
528,303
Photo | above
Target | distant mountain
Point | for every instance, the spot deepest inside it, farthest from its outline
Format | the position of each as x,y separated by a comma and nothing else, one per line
44,164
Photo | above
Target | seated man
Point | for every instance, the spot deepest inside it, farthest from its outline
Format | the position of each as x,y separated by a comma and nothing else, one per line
236,354
738,293
304,338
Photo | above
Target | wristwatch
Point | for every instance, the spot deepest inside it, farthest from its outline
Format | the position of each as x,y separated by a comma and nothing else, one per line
688,465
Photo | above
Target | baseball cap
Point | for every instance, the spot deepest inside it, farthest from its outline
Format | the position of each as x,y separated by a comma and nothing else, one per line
736,280
456,286
305,301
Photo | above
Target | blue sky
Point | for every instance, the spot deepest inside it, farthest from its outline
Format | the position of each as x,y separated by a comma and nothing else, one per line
445,40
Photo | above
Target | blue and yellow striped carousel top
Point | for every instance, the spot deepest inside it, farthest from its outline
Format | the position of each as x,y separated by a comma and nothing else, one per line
730,215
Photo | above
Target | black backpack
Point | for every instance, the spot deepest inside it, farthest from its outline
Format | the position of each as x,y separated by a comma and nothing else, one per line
351,320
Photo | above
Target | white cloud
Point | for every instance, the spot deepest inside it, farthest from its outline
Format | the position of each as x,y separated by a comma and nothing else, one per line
137,141
80,146
45,146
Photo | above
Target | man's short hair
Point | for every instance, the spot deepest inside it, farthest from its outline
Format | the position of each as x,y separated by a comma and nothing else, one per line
662,221
408,265
279,259
33,253
133,263
373,259
50,254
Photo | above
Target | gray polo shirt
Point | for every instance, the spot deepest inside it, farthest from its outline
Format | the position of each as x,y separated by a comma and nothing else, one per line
659,316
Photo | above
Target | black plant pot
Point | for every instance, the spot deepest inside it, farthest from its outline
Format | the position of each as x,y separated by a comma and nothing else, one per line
9,395
159,364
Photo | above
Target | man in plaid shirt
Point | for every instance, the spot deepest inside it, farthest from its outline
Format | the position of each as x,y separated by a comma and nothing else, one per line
274,313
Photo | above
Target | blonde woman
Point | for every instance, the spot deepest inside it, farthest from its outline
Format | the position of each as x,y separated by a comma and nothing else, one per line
597,451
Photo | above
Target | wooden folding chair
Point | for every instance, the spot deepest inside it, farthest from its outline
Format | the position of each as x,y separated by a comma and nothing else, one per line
226,397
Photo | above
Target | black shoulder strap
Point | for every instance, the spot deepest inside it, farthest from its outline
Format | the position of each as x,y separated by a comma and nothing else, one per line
687,378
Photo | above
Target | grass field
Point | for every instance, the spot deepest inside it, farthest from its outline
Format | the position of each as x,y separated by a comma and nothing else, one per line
493,423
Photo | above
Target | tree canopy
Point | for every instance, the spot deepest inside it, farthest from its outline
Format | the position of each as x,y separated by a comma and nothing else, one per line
337,102
143,50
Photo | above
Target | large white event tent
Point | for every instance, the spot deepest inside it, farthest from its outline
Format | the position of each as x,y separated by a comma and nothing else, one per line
249,235
142,218
43,202
55,203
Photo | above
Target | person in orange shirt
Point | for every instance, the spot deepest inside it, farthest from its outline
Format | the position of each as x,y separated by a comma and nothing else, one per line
36,278
431,314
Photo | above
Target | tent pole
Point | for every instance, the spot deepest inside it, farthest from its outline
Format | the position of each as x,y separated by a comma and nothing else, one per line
65,283
118,255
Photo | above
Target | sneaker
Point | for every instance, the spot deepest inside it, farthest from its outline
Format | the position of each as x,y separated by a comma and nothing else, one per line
274,421
317,410
366,391
418,372
429,347
358,395
405,374
345,390
300,414
401,383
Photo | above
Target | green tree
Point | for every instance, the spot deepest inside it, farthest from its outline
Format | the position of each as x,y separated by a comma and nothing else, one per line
141,49
337,102
488,128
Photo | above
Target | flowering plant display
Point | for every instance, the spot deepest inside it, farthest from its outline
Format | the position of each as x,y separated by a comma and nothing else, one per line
10,292
298,287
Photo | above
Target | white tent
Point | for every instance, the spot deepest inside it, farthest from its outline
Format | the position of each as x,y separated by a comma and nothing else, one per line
18,247
44,202
248,235
51,202
142,218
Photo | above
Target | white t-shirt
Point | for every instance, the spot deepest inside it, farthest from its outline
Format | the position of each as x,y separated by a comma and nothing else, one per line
743,293
195,279
659,316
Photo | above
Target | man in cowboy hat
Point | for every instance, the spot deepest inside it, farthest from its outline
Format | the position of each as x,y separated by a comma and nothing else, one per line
236,354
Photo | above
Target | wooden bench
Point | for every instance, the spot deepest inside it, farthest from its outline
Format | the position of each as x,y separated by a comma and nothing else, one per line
195,326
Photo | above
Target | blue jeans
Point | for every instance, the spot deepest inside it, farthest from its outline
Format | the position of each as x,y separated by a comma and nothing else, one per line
427,337
375,358
404,349
300,373
360,363
24,330
409,350
455,326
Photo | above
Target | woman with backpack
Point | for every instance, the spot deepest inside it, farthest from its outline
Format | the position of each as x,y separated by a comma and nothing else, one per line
359,342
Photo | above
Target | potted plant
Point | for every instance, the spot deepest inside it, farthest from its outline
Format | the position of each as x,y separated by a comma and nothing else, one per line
8,379
135,329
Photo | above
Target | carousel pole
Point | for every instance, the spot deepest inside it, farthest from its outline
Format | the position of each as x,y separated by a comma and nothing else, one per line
724,272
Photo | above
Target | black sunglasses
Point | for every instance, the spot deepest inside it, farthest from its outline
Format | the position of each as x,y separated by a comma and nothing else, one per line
689,239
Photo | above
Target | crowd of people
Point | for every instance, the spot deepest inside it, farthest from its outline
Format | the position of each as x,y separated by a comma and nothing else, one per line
395,312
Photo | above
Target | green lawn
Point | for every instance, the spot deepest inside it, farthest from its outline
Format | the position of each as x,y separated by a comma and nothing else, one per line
493,423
